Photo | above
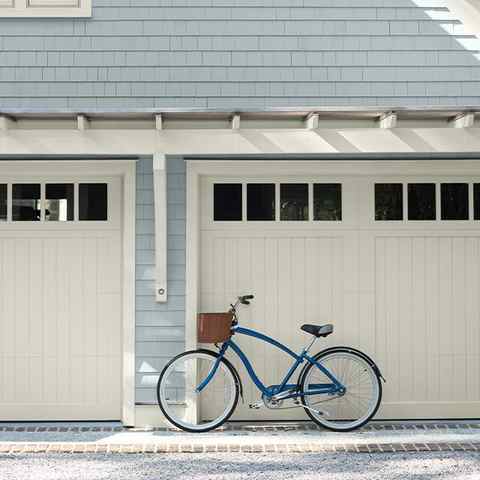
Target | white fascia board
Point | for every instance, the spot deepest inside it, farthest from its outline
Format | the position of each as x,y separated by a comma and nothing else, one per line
160,199
17,141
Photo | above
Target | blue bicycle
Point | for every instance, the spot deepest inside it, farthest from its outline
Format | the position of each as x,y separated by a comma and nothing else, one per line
339,387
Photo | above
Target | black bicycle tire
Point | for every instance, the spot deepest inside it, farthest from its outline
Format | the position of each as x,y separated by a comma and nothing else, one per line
236,383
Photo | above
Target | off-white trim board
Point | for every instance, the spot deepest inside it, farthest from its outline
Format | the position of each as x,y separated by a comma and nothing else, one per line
45,8
404,292
49,140
160,192
68,352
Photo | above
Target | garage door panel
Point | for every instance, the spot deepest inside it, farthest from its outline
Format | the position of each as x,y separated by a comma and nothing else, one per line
423,297
36,298
35,378
295,281
90,316
60,335
109,268
403,290
109,309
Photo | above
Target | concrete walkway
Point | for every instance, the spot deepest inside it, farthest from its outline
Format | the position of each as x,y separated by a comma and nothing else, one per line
268,437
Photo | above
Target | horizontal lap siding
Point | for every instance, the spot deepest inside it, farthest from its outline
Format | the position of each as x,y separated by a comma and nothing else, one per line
238,54
160,328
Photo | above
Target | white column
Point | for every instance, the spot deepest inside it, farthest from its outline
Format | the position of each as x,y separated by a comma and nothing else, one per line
160,198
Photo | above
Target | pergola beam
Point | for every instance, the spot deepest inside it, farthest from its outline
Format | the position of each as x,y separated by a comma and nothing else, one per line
463,120
158,121
6,122
388,120
235,122
312,121
83,122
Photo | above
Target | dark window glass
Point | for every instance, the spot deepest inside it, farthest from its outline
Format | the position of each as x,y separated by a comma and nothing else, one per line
294,201
388,201
261,201
3,202
476,201
59,202
26,202
421,201
454,201
93,201
327,201
227,202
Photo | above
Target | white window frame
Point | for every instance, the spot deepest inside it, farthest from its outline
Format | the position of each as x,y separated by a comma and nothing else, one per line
25,8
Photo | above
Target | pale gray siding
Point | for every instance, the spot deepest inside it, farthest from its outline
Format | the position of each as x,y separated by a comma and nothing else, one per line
160,326
234,54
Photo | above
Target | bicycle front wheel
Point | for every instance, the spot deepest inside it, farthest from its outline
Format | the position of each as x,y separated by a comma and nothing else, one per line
362,396
183,405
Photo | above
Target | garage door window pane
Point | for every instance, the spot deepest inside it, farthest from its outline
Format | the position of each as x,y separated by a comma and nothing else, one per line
26,202
59,202
227,202
476,201
388,201
294,201
261,201
327,201
3,202
421,201
93,201
454,201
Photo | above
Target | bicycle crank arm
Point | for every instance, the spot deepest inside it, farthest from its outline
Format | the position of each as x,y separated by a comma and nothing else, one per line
318,412
256,406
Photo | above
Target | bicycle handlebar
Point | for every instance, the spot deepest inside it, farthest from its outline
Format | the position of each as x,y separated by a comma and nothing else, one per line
244,299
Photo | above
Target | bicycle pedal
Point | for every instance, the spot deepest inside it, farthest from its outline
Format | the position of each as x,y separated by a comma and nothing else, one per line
255,406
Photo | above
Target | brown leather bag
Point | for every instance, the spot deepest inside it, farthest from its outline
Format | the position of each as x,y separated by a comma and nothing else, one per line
214,327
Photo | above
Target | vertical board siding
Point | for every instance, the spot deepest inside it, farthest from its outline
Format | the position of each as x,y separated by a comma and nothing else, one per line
60,350
239,54
296,280
427,317
160,327
404,293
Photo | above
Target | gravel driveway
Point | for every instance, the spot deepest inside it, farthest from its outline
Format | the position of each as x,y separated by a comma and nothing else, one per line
419,466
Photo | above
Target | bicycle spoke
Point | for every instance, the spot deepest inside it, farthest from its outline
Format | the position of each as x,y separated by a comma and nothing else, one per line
207,408
360,397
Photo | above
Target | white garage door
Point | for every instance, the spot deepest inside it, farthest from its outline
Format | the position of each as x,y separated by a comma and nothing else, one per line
60,298
392,261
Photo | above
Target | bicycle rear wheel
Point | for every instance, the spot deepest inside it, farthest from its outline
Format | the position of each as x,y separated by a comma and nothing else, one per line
363,390
188,409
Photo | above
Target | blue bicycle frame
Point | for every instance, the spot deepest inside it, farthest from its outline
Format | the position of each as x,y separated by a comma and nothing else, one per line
333,388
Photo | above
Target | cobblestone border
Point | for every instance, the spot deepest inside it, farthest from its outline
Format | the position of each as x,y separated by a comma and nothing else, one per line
371,448
307,426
